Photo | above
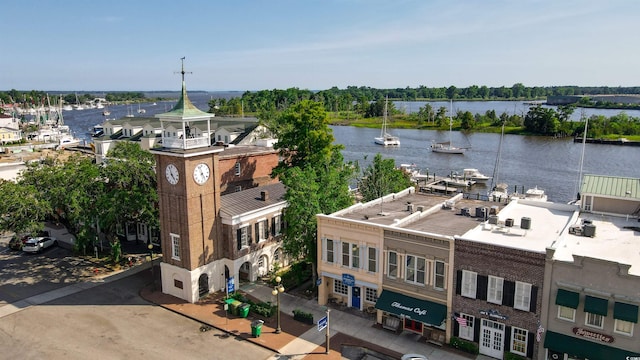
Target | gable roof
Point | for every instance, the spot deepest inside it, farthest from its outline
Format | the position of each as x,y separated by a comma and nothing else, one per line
249,200
611,186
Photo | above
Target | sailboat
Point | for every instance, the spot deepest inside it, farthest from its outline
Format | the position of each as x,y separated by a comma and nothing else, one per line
498,191
386,139
447,146
140,110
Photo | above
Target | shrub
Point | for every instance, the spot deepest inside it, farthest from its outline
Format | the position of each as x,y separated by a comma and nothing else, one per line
263,309
512,356
464,345
302,316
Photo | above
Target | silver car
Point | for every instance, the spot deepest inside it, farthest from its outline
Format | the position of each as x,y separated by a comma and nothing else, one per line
37,244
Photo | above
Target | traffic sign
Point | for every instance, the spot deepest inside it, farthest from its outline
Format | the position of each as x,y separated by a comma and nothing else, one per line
322,323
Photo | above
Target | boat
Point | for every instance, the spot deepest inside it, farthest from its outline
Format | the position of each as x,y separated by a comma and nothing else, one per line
129,112
386,139
68,141
535,194
447,146
96,130
77,105
414,172
498,192
475,175
140,110
106,112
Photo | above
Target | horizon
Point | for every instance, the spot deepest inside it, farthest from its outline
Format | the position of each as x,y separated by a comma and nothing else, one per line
318,45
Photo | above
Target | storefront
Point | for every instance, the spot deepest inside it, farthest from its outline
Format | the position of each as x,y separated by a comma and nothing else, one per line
565,347
402,312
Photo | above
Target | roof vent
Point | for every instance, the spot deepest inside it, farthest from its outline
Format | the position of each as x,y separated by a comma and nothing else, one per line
264,195
525,223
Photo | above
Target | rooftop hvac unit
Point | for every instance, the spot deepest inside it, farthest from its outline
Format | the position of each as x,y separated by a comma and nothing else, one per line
493,220
420,208
410,208
589,230
465,212
525,223
508,222
480,212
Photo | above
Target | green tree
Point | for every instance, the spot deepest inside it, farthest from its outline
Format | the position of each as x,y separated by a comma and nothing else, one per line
22,209
381,177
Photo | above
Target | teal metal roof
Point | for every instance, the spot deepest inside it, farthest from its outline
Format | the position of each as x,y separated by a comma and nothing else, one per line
184,108
611,186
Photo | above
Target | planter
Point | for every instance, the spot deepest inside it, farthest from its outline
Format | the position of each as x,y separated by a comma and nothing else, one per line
303,317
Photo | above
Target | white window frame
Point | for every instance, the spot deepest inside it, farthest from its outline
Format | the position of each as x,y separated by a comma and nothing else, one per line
244,236
590,319
437,275
563,310
495,286
330,251
372,259
261,235
350,257
277,225
413,271
238,169
620,327
392,265
523,338
522,298
175,246
340,288
469,284
370,295
237,188
467,332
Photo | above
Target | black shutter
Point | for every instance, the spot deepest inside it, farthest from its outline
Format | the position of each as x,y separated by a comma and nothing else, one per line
273,227
456,328
459,282
266,229
507,338
257,226
530,344
239,238
476,330
534,299
509,293
249,232
481,289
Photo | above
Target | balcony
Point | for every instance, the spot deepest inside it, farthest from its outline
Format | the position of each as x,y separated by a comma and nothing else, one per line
189,143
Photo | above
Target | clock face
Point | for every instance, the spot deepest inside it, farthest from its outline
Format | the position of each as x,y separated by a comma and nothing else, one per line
171,172
201,173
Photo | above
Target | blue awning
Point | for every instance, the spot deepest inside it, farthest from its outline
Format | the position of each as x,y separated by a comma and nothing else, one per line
424,311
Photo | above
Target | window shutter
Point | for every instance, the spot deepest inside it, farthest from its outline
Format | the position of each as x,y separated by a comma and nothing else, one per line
481,291
446,276
249,235
476,330
507,338
257,227
364,259
458,282
265,230
509,292
530,344
273,227
239,238
324,249
534,299
377,260
456,328
338,253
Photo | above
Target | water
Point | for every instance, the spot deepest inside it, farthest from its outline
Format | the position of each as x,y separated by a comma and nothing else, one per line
550,164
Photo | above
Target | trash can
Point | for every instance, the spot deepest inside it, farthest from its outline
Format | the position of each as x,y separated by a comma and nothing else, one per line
233,307
256,327
243,310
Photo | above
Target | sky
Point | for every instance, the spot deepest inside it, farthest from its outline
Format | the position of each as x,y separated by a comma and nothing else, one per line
136,45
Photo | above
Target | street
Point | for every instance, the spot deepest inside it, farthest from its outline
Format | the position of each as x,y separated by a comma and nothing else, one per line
111,321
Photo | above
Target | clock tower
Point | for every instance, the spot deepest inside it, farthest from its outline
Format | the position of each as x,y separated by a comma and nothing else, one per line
189,201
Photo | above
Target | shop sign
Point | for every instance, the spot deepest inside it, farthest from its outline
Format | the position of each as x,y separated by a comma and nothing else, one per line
415,310
348,280
593,335
494,314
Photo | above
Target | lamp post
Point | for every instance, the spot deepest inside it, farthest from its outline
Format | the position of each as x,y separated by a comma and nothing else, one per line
153,277
276,292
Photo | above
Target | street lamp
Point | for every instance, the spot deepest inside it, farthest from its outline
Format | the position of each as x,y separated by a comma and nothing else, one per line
276,292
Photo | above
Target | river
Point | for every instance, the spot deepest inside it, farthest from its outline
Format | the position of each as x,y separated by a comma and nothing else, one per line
548,163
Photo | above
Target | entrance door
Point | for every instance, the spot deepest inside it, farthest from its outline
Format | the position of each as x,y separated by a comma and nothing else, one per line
492,339
203,285
355,297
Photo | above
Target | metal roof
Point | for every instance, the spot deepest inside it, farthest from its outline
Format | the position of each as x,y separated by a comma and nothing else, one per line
184,108
611,186
249,200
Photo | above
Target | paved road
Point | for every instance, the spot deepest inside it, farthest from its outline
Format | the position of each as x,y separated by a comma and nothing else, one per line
111,321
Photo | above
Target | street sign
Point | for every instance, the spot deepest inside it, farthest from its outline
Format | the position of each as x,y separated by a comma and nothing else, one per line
322,323
230,285
318,281
348,280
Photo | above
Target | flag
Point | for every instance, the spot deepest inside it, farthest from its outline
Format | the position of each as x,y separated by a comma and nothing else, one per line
539,333
462,321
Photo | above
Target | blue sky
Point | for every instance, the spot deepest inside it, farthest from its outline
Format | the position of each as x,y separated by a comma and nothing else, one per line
76,45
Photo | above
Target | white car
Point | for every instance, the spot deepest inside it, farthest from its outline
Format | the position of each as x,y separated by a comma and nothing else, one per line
37,244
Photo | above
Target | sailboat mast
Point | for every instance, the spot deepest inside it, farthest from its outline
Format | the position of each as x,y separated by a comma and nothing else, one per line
584,142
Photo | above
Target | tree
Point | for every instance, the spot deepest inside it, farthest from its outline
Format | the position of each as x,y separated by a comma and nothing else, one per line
22,208
381,177
315,175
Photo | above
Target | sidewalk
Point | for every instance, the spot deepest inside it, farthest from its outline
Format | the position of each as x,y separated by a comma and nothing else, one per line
298,340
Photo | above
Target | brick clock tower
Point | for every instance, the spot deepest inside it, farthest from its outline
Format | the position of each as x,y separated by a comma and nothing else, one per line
189,200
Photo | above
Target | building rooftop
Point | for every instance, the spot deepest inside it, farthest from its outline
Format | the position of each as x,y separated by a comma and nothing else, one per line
615,239
234,151
612,186
250,200
436,214
525,225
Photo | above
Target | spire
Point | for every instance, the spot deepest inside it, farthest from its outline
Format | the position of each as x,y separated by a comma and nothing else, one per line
184,107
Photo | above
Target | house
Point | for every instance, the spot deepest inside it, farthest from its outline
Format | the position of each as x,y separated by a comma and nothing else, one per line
9,135
610,195
499,270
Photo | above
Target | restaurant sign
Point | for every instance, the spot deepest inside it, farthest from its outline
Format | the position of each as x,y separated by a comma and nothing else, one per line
416,310
593,335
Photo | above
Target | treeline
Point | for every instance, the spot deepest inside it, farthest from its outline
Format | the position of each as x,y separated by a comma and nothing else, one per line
35,97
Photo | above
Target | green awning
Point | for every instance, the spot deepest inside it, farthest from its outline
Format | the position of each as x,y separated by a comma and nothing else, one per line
424,311
596,305
567,298
583,348
626,312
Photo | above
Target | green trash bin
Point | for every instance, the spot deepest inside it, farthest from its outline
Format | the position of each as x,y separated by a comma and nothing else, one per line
256,328
243,310
234,307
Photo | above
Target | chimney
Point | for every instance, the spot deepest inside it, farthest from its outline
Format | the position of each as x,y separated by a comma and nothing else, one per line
264,195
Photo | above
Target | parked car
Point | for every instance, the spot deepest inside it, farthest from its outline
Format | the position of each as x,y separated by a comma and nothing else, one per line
17,242
37,244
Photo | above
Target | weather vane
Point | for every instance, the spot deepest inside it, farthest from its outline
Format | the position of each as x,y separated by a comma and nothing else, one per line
183,72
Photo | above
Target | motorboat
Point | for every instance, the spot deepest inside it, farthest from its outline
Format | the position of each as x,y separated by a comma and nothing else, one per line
68,141
534,194
475,175
386,139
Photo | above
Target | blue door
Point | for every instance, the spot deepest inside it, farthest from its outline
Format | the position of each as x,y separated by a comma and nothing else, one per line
355,297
